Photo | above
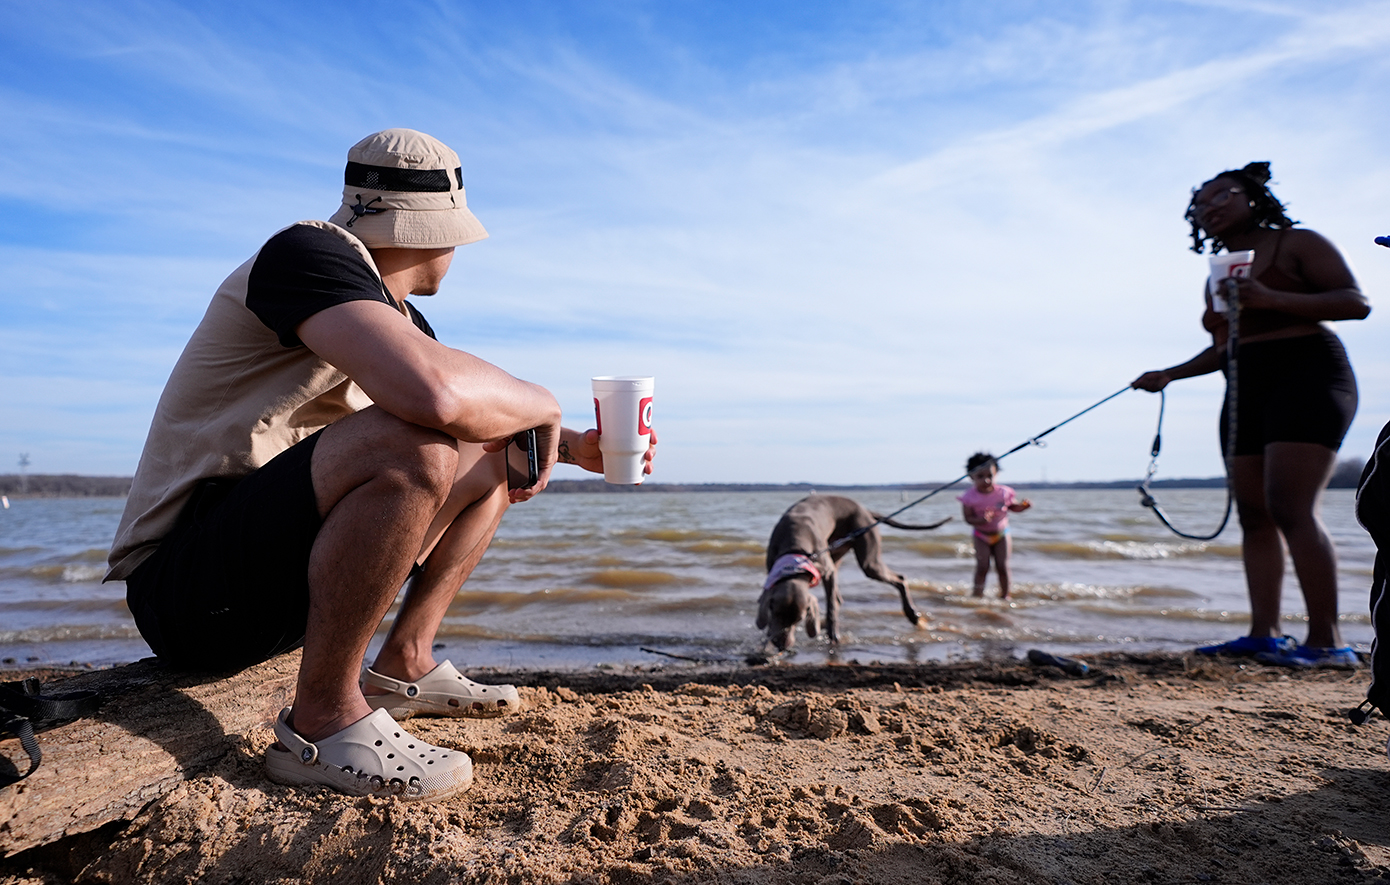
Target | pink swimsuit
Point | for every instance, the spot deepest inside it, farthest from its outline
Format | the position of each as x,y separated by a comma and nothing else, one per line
998,501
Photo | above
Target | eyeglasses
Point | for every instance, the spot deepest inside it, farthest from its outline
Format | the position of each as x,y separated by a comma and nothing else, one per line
1219,198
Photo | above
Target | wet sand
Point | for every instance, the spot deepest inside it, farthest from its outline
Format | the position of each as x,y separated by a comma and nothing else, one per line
1154,768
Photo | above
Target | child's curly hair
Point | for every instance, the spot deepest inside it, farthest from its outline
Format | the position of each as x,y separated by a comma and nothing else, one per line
978,460
1253,178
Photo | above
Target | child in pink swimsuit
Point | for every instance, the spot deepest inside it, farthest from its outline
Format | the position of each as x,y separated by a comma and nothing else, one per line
986,507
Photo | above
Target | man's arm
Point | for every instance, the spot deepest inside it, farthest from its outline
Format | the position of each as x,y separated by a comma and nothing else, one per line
421,381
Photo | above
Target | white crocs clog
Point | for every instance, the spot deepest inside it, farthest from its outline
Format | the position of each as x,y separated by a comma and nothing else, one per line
371,757
443,691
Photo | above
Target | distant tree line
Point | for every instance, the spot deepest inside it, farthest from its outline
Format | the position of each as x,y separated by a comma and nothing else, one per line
1347,473
64,485
69,485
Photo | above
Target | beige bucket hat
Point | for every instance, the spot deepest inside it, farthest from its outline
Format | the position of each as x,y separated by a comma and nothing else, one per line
404,189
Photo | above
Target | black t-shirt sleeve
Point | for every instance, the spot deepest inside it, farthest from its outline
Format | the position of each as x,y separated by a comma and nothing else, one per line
419,320
303,270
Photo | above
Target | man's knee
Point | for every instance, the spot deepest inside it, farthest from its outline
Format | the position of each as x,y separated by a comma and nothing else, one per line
376,447
422,460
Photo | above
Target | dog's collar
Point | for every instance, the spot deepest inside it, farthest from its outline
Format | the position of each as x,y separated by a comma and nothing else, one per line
789,565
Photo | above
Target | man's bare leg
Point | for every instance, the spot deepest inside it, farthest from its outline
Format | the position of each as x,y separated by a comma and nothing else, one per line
379,482
481,492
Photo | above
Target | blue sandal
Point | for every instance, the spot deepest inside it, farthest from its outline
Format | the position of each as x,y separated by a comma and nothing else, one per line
1250,646
1308,657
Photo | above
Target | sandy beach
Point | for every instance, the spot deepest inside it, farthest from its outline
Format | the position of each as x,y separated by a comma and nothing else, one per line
1155,768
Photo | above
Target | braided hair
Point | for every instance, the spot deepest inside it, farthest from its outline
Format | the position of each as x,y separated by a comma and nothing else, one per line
1268,211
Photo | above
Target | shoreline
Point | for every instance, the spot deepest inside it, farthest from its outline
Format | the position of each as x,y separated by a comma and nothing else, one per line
1157,767
39,486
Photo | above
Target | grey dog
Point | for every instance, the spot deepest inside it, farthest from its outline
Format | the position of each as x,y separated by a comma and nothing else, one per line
800,539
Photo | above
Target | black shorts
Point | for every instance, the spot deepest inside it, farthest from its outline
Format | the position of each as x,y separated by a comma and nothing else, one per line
228,587
1292,390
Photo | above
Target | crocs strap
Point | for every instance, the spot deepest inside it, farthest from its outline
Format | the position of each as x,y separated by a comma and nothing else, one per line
303,750
380,680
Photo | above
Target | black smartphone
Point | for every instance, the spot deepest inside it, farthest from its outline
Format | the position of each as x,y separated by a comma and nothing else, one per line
521,461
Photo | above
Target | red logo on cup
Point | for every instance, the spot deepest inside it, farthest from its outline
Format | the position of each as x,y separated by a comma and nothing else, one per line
1240,271
644,416
598,417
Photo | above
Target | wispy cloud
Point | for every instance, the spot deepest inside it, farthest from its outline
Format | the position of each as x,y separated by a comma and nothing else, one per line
853,244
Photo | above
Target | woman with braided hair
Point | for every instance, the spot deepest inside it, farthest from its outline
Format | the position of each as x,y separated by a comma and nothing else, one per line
1296,396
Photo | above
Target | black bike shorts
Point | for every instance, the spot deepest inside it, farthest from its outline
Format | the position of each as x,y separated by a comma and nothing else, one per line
228,587
1292,390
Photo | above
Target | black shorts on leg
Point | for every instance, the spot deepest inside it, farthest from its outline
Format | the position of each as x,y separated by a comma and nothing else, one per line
1292,390
229,586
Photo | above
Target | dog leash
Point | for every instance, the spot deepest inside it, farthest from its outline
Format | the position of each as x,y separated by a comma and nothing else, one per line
22,705
1031,441
1146,497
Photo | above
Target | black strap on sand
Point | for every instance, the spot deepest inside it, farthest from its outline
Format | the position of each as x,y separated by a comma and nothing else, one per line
22,704
1031,441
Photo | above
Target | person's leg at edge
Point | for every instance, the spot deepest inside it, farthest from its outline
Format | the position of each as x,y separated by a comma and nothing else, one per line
981,564
1003,548
1296,473
1261,546
379,482
454,546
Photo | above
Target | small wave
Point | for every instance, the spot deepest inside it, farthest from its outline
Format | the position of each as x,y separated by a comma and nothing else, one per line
79,574
677,535
18,608
994,616
726,547
68,573
456,630
1128,549
719,603
1166,593
69,633
1176,613
474,601
1024,593
530,543
617,577
942,548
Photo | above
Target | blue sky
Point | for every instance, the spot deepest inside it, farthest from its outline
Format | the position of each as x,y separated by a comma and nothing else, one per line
853,242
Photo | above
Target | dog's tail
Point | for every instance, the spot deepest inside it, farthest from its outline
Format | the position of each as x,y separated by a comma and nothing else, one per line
902,525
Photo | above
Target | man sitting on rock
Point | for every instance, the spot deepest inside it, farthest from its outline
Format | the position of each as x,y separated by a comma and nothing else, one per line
314,447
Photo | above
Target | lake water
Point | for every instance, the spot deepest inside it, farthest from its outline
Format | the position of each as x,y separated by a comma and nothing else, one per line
591,580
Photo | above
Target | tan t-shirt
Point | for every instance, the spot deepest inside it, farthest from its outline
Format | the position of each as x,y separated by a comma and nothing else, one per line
236,398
